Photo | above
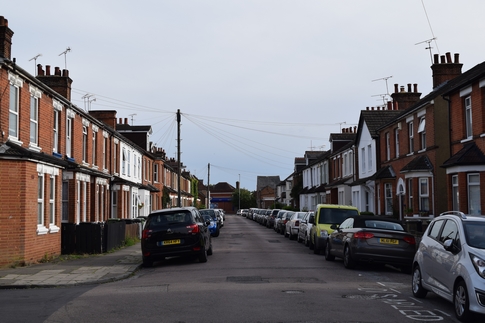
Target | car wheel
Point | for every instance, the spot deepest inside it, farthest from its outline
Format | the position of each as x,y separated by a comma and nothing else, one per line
218,231
203,255
349,262
298,239
315,249
147,262
418,289
328,255
461,302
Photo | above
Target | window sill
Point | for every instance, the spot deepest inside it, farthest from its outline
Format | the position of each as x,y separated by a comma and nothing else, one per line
15,141
54,228
41,229
466,140
34,147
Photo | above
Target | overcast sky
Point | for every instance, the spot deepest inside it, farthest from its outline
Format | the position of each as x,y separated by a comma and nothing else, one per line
258,82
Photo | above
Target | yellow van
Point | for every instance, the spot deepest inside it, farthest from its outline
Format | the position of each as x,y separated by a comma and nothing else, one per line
325,216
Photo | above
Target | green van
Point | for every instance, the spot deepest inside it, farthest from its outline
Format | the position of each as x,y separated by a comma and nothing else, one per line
325,216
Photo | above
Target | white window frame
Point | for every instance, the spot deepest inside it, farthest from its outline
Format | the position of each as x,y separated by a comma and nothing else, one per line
363,159
455,193
85,144
41,229
155,172
468,118
388,198
424,194
369,156
65,201
123,161
94,147
69,131
410,193
55,128
411,137
14,105
473,188
35,96
422,132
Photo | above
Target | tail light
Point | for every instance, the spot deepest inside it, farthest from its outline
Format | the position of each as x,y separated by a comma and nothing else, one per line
146,234
363,235
409,239
193,228
297,223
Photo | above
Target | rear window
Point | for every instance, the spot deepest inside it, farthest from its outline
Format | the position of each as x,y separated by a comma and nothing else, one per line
335,216
169,218
211,213
383,225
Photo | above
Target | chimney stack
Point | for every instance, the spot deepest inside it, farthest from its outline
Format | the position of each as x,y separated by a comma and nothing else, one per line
106,116
59,82
5,39
404,99
444,69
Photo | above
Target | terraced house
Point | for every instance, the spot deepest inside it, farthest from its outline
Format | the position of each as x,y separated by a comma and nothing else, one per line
60,164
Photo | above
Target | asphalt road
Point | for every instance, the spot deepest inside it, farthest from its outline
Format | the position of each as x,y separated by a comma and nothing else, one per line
254,275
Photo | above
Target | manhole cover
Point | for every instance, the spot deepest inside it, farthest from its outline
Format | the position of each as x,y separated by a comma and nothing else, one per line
358,296
293,291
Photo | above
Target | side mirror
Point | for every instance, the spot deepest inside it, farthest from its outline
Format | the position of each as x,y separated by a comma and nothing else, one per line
311,220
449,245
207,223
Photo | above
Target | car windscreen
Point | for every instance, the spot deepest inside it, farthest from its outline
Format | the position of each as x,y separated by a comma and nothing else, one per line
334,216
475,234
211,213
168,218
207,217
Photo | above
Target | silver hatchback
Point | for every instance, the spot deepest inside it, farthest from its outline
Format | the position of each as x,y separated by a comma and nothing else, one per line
450,262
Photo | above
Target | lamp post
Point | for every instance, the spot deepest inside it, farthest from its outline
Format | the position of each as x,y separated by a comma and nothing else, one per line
239,194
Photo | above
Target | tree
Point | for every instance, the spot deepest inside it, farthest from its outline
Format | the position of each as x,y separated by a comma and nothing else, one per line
247,199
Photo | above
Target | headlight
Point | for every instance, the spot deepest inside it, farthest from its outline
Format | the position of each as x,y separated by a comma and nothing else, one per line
323,233
479,264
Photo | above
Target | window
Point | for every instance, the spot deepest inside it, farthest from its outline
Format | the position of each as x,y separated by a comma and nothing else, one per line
435,230
13,108
363,159
468,117
52,201
123,162
55,127
423,194
411,137
40,200
455,193
34,119
105,145
95,131
474,194
410,193
65,201
450,231
396,141
388,198
128,161
388,146
85,143
155,172
369,156
69,121
422,133
115,158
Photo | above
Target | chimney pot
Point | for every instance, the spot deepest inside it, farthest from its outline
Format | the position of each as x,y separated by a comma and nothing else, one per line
409,87
65,73
126,120
57,71
389,105
415,88
448,58
442,58
40,71
396,88
47,70
402,88
457,58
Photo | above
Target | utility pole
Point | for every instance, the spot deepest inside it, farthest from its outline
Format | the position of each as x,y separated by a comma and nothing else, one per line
239,194
208,191
178,157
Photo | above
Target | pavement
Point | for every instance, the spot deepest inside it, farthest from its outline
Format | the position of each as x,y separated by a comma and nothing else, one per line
93,269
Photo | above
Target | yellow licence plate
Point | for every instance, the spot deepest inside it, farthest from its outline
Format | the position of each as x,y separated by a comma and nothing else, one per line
170,242
389,241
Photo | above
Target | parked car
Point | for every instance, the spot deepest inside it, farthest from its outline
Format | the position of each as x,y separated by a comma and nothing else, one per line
450,261
271,218
305,227
244,212
371,239
293,224
277,219
175,232
325,216
239,212
284,219
214,215
213,228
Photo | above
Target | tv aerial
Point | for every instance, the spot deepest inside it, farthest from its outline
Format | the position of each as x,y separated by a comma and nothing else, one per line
428,41
68,49
384,79
35,62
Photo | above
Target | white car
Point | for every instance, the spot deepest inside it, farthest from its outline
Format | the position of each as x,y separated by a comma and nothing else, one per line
450,261
304,229
292,226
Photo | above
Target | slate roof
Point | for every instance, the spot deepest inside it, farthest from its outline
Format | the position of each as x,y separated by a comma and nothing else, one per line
470,154
420,163
263,181
376,118
385,172
12,150
222,187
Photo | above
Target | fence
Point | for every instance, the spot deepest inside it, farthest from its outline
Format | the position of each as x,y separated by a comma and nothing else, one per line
96,237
